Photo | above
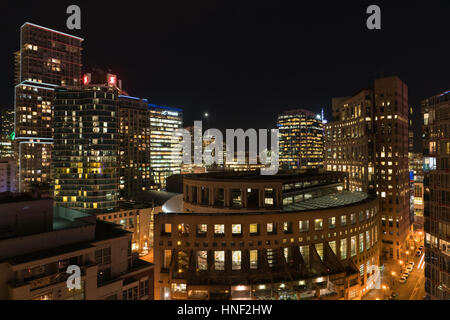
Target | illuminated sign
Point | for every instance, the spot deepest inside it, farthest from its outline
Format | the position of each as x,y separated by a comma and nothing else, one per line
170,113
12,136
87,78
112,79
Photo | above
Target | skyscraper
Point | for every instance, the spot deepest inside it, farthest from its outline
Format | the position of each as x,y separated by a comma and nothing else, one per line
134,155
163,122
47,59
86,147
436,151
301,140
368,138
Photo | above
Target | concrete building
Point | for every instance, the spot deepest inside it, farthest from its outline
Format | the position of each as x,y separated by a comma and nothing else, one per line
136,218
436,152
8,181
246,236
368,139
417,192
301,140
47,59
38,242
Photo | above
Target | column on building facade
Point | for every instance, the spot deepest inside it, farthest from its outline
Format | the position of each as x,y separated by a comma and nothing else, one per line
245,261
212,196
226,197
261,197
278,198
228,261
199,195
210,260
244,197
190,193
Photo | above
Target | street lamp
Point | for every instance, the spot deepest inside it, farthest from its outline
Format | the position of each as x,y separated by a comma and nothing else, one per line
401,263
384,291
393,279
407,253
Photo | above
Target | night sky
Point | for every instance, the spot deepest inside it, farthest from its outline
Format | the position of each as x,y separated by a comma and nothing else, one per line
245,61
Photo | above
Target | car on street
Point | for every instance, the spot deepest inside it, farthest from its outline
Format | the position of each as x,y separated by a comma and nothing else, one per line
405,274
411,263
393,296
409,268
402,279
418,253
421,248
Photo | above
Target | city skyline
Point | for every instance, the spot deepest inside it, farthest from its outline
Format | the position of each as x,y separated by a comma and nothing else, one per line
252,58
134,162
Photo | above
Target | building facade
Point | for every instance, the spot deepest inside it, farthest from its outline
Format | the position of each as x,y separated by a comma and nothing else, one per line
86,145
136,219
301,140
163,122
245,236
134,154
8,181
436,151
35,255
368,138
47,58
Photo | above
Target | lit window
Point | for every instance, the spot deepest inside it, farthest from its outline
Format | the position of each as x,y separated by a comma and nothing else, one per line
219,260
236,228
236,260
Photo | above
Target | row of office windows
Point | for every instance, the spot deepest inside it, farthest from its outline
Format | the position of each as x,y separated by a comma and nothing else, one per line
271,228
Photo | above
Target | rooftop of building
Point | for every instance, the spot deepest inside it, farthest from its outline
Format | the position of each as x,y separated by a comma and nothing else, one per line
256,176
338,199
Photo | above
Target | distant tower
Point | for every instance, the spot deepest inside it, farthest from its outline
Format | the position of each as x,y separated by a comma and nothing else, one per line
301,140
47,59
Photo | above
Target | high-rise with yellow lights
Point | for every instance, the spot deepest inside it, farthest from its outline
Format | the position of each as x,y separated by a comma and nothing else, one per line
368,139
47,59
301,140
86,145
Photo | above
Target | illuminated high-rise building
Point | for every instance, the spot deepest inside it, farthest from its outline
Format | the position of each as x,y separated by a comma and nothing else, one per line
368,139
436,151
47,59
6,133
86,145
163,122
134,155
301,140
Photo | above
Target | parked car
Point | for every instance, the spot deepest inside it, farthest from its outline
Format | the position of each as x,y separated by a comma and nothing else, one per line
402,279
421,248
409,268
405,274
411,263
419,253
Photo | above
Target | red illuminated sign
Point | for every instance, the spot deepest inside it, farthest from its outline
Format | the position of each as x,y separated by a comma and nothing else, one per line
87,79
112,79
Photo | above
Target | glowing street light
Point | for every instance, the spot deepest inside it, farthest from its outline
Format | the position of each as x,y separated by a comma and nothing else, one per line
384,291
